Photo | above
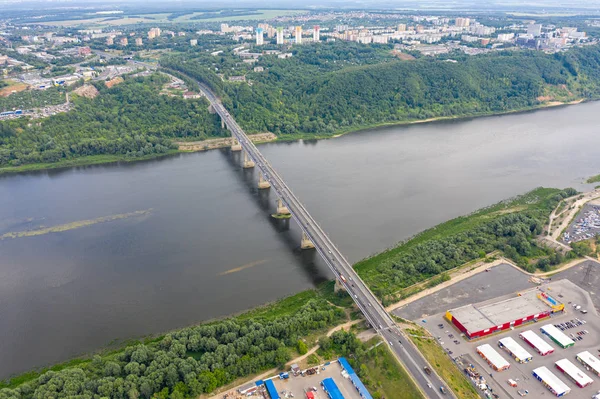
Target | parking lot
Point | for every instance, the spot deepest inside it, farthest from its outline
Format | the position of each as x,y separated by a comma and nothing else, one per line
296,387
500,280
457,346
585,225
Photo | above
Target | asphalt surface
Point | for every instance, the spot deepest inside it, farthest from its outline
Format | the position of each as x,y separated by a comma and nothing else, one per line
366,301
500,280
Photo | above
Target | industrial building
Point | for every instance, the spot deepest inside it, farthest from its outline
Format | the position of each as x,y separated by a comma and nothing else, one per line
557,336
360,387
550,381
515,350
494,359
478,321
536,342
332,390
271,389
573,372
589,361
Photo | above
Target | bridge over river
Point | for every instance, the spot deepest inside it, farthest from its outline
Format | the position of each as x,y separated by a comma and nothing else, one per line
371,308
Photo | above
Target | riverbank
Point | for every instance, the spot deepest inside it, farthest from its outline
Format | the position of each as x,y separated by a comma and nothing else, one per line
82,161
213,144
286,307
260,138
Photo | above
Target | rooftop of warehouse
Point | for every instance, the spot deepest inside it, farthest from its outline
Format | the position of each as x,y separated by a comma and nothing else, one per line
481,317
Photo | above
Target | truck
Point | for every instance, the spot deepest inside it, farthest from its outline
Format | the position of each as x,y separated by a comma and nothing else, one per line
427,370
342,278
284,376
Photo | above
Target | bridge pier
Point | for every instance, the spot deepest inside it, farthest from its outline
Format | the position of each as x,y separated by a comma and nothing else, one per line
281,208
262,183
222,124
248,162
235,145
305,242
338,286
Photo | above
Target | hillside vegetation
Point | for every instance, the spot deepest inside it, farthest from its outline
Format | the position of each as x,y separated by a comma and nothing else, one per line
318,91
130,120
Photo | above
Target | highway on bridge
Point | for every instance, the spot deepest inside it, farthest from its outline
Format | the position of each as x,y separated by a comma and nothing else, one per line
366,301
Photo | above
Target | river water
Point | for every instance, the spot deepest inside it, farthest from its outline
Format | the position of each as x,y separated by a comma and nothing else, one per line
208,247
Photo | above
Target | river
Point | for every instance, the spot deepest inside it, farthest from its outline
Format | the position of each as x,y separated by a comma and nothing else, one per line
207,247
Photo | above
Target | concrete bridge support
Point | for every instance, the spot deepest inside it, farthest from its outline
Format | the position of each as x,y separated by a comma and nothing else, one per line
281,208
262,183
235,145
306,243
248,162
338,286
222,124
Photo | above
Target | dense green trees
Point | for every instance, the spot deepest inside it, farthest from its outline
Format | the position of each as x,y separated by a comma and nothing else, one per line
332,87
184,363
130,119
513,233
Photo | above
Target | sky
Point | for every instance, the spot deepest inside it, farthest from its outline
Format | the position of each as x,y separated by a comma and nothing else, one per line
475,5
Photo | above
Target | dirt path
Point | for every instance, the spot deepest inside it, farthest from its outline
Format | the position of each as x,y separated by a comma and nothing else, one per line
232,392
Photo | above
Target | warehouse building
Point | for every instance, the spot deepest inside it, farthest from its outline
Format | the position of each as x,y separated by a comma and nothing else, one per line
271,389
573,372
494,359
557,336
550,381
515,350
360,387
589,361
332,390
536,342
477,321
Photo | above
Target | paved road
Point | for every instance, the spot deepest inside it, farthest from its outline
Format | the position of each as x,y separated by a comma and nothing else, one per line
366,301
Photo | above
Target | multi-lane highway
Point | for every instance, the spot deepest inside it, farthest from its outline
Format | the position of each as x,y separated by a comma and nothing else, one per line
373,311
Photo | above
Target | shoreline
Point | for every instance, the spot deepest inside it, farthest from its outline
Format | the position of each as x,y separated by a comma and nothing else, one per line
261,138
281,305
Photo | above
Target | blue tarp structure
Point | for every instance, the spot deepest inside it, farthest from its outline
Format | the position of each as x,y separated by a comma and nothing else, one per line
360,387
345,365
259,383
332,389
271,389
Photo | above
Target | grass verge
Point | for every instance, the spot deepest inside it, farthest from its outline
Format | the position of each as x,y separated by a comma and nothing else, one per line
384,376
443,365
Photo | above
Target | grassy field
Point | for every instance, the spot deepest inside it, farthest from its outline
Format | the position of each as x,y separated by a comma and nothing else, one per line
444,366
593,179
261,15
104,21
385,377
13,86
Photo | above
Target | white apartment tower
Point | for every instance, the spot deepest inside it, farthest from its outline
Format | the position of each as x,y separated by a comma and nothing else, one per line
259,37
298,34
316,34
279,35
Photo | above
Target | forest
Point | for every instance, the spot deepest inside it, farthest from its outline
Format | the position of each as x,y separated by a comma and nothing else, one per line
130,120
510,227
184,363
333,87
